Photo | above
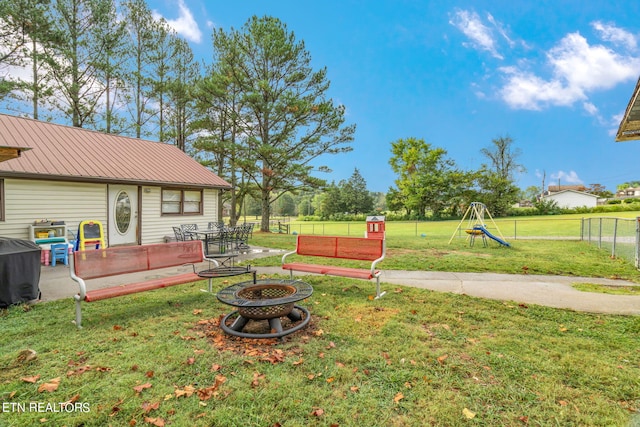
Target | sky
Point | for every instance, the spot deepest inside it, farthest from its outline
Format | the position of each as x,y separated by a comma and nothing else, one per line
555,76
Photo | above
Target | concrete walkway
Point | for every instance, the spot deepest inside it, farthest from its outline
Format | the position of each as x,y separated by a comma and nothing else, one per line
551,291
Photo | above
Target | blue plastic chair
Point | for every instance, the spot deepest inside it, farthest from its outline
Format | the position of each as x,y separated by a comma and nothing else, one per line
59,252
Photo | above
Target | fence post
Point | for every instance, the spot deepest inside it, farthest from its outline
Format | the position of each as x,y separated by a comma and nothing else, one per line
600,233
637,255
615,237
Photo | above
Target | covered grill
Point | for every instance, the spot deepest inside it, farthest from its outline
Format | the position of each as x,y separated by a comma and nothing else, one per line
19,271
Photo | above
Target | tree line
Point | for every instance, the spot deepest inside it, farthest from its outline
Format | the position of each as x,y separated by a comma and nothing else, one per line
258,114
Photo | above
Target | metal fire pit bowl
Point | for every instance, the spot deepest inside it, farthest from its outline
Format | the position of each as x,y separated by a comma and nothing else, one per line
271,292
268,299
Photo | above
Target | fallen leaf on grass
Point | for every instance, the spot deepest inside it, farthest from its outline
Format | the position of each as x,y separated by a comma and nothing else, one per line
50,386
26,356
398,397
71,401
256,379
80,370
468,414
148,407
185,392
33,379
138,389
116,408
442,358
208,392
158,422
317,412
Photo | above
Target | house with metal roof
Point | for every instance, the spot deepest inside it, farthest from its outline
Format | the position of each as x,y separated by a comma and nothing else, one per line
137,189
570,199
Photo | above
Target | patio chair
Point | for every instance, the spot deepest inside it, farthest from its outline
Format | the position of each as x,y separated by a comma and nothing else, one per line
180,235
216,225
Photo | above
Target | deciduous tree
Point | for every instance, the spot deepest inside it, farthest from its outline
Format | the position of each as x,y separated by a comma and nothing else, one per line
427,178
496,179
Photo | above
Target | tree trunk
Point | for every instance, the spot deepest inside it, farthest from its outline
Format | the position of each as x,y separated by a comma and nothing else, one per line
264,224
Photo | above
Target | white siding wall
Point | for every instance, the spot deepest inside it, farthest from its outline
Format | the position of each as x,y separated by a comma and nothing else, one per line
570,199
29,200
155,226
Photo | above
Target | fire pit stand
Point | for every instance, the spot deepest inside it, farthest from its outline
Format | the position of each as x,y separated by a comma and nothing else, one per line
267,299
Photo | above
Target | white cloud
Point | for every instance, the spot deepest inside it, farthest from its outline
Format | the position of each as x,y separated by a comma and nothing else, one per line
615,35
526,91
185,24
590,108
590,67
577,68
500,28
566,177
480,35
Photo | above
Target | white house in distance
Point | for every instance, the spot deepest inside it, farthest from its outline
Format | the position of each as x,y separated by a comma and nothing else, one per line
138,189
569,199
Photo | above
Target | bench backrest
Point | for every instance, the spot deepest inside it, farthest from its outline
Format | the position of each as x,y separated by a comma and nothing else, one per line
92,264
340,247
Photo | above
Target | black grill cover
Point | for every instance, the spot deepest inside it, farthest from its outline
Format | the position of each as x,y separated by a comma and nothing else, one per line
19,271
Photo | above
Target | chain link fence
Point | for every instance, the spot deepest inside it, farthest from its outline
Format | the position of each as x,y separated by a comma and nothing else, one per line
619,236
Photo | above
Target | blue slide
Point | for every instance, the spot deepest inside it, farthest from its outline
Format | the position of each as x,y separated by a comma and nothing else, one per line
491,236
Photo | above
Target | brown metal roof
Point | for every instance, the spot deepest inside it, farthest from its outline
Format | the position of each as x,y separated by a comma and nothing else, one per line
75,154
558,188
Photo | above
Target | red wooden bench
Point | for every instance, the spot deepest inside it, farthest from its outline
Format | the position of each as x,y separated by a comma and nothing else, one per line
114,261
355,248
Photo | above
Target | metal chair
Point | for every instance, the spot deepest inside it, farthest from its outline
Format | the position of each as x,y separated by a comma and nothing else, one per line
187,228
180,236
216,225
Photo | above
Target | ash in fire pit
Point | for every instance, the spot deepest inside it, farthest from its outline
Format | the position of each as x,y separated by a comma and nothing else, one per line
268,299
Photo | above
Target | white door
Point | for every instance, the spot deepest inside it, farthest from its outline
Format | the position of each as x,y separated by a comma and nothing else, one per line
123,215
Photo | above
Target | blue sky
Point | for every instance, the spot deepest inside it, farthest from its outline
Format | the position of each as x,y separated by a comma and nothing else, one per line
555,76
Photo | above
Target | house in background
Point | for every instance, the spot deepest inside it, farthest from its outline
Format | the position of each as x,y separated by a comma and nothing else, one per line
569,199
138,189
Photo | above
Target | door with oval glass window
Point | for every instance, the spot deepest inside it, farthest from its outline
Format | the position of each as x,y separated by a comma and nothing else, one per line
123,215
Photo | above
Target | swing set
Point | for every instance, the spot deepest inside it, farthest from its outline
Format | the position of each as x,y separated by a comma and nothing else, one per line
476,226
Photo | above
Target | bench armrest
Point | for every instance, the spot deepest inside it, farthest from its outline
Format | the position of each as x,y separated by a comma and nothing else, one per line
373,264
287,254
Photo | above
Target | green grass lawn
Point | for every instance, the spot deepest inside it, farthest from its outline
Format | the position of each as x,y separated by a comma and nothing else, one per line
412,358
549,257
